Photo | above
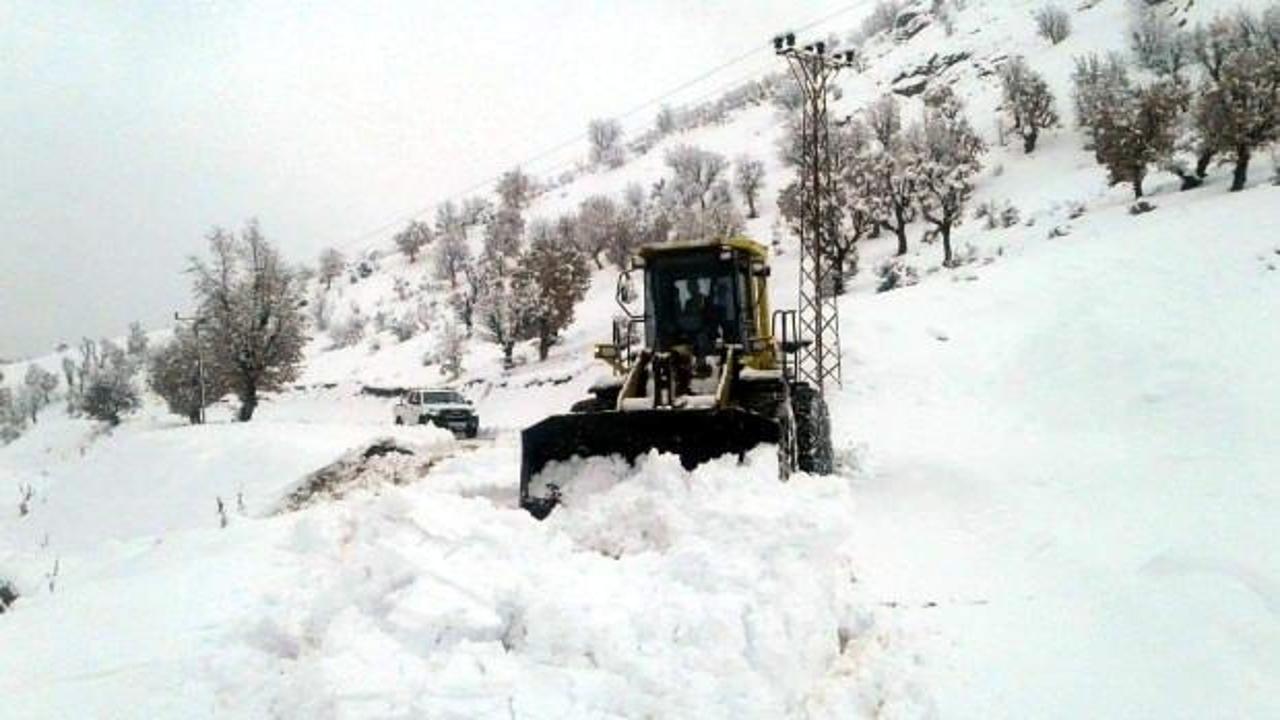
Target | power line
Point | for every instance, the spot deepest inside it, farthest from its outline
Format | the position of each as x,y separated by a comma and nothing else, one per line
569,142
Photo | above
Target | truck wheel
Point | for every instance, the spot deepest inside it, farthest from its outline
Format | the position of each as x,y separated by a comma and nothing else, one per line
813,430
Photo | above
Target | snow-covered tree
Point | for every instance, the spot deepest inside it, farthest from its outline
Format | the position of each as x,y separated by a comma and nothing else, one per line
605,137
696,172
748,177
466,294
415,236
948,159
633,227
595,227
504,231
884,120
453,348
698,198
174,375
476,211
551,280
1131,126
251,302
332,265
12,420
452,254
136,344
500,311
853,207
1158,44
38,386
448,218
666,121
109,391
1028,102
1238,110
1053,23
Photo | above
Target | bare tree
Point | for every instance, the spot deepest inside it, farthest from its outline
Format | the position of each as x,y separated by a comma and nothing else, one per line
748,177
1028,102
1053,23
332,265
605,136
415,236
251,301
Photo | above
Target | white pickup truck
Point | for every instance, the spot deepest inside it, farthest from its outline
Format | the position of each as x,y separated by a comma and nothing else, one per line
442,408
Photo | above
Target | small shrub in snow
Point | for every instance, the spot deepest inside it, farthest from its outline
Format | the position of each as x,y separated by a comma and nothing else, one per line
1053,23
404,326
896,274
997,214
1076,209
350,330
1142,207
8,595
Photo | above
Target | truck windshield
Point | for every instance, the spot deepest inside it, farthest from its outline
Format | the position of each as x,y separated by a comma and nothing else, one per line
441,398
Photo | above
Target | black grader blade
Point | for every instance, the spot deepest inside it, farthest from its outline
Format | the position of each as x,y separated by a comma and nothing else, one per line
696,436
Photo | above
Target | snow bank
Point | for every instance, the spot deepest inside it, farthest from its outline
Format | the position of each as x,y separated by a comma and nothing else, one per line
718,593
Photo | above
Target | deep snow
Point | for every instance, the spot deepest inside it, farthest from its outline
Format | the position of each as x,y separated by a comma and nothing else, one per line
1057,496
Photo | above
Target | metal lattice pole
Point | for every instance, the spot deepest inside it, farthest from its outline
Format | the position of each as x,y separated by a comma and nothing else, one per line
814,69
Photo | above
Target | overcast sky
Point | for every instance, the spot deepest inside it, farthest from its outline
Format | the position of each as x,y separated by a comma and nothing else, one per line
128,129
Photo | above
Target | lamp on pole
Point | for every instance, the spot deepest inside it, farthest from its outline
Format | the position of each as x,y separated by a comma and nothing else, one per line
815,68
196,321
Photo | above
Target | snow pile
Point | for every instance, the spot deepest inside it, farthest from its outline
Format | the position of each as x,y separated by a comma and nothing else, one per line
717,593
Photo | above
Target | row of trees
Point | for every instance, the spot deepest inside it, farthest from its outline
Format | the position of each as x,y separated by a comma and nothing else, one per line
100,385
1195,96
882,176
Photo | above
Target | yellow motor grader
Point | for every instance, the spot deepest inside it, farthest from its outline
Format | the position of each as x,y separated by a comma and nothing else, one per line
704,370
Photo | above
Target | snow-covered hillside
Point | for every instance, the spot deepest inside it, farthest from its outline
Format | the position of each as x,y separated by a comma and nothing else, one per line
1056,497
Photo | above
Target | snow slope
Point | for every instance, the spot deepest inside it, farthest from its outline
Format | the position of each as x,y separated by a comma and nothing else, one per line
1056,498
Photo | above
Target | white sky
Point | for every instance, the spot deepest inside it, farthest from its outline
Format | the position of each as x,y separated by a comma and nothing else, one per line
128,129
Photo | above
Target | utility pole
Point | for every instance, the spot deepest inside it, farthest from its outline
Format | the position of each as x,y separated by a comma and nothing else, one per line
196,321
814,70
